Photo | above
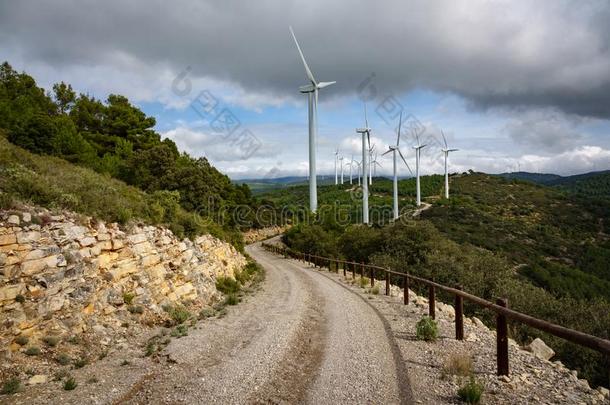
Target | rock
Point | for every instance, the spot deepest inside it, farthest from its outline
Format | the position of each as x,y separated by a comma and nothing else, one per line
28,237
584,384
37,379
479,324
8,239
10,292
36,266
603,391
472,337
13,220
540,349
87,241
27,217
504,378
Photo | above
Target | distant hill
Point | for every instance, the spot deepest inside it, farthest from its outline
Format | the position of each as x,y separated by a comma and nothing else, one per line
540,178
593,184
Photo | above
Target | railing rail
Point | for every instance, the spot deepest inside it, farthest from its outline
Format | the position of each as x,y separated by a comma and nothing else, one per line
500,307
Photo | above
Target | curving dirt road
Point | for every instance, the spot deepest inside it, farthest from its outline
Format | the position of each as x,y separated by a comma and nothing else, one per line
302,338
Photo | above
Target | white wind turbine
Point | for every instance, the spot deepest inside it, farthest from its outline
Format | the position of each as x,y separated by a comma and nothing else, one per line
446,151
312,91
336,158
341,165
351,166
366,138
418,149
374,164
394,149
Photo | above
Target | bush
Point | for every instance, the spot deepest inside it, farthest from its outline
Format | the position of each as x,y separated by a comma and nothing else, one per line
20,298
471,392
426,329
459,364
80,363
180,331
22,340
227,285
63,359
128,298
232,299
32,351
70,384
135,309
11,386
178,313
51,341
207,312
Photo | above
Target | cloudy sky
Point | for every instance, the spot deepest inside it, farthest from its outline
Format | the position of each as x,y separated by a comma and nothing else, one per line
512,84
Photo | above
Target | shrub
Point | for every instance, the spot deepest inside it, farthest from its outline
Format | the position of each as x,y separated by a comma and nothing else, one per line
178,313
20,298
22,340
459,364
11,386
471,392
227,285
375,290
70,384
232,299
80,363
128,298
426,329
32,351
51,341
364,281
63,359
207,312
180,331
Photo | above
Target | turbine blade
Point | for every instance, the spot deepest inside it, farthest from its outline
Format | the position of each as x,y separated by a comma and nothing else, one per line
404,160
444,139
368,137
321,85
385,153
366,121
452,150
307,70
399,125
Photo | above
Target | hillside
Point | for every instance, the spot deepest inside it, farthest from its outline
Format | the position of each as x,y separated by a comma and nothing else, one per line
117,140
593,184
544,250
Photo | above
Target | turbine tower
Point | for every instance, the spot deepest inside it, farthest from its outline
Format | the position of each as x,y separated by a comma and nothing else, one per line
394,149
446,151
366,138
418,149
370,161
336,158
341,165
312,91
351,166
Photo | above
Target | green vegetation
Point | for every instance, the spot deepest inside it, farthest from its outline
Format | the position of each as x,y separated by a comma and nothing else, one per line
178,313
70,384
80,363
32,351
22,340
460,364
471,392
546,251
426,329
63,359
128,298
51,340
11,386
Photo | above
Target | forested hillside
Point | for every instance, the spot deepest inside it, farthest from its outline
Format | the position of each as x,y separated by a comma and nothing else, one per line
116,139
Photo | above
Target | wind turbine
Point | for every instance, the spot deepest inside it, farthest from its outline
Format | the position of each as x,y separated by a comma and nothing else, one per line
351,165
394,149
366,138
418,149
341,164
312,91
370,151
374,164
446,151
336,158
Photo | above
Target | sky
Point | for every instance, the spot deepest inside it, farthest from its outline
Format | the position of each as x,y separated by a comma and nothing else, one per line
514,85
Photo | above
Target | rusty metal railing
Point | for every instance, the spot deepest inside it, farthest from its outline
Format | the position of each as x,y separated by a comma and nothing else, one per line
500,307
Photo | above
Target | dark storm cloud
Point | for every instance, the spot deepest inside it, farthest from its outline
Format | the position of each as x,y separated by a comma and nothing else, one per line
507,53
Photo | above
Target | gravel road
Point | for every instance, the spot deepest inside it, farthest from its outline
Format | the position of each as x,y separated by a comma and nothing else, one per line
303,338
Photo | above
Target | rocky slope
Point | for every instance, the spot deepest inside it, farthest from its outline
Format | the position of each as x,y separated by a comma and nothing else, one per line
255,235
66,278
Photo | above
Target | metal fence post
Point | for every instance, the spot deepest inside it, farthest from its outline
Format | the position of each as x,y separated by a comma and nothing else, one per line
502,339
459,315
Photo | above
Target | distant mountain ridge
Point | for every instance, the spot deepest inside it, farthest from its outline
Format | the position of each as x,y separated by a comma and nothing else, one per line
592,184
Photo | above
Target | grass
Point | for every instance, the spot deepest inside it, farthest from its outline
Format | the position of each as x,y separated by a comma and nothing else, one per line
227,285
207,312
70,384
471,392
63,359
374,290
22,340
180,331
80,363
128,298
364,281
460,364
178,313
426,329
51,340
33,351
232,299
136,309
11,386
